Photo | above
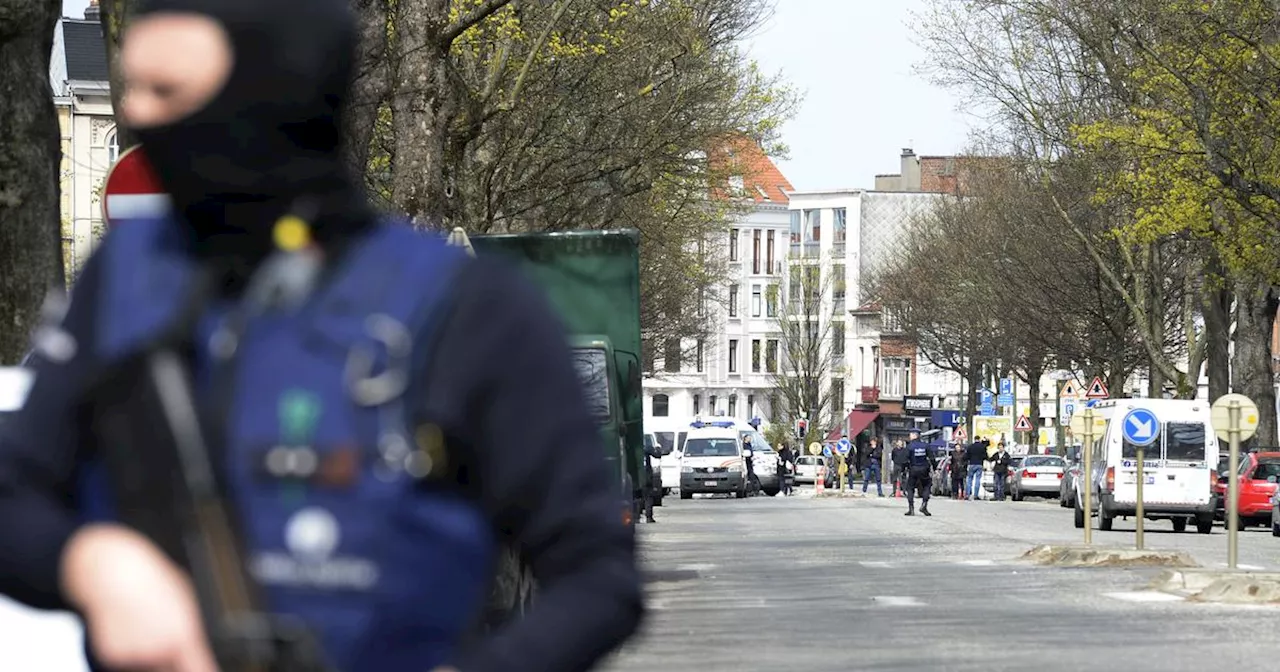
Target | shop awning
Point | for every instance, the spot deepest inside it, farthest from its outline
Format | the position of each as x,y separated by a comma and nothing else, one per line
854,424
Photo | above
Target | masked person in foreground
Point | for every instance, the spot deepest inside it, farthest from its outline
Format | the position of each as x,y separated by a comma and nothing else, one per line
376,431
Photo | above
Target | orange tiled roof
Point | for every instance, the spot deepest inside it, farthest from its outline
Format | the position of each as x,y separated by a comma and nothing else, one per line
761,179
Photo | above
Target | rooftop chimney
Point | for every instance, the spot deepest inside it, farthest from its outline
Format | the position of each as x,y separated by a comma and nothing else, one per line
91,12
907,151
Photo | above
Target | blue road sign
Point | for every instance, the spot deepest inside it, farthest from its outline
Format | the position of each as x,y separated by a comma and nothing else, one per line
1140,427
1090,403
987,408
843,446
1005,399
984,396
1069,409
1006,386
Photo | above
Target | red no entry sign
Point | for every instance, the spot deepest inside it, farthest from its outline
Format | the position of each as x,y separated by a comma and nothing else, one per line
132,190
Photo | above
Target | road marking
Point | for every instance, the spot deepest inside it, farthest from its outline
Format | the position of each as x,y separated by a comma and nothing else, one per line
668,604
1144,596
696,567
897,601
875,564
977,563
1247,568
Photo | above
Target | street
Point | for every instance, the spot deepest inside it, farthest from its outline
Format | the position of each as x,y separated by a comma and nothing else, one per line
837,584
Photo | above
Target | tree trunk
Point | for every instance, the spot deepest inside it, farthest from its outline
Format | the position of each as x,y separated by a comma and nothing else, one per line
974,378
371,86
114,15
30,236
1256,304
1156,315
424,105
1217,326
1035,369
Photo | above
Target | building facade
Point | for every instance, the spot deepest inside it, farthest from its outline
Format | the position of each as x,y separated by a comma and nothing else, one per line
732,372
82,95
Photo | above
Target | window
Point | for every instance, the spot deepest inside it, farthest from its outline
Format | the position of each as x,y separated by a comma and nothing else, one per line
661,405
593,372
837,395
733,300
775,411
768,258
697,404
813,284
771,356
733,355
711,448
733,244
751,406
733,405
113,147
837,338
890,322
815,334
771,301
1184,442
671,356
699,355
840,215
796,283
755,355
711,404
813,224
755,301
895,377
837,282
755,251
795,227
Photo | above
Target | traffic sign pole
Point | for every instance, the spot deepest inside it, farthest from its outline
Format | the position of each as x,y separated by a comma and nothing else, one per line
1233,483
1235,418
1087,449
1140,530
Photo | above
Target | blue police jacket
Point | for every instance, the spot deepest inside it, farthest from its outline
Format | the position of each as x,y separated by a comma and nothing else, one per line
388,564
918,455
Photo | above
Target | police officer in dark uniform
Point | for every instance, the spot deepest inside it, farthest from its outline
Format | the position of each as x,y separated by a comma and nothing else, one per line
920,466
370,507
652,451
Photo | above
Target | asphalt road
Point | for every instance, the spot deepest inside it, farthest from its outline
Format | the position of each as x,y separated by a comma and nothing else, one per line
851,584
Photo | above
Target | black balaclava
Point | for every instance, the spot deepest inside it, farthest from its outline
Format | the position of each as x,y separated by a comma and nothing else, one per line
269,142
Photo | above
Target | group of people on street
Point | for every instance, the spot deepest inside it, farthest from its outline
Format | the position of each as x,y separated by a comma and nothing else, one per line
967,467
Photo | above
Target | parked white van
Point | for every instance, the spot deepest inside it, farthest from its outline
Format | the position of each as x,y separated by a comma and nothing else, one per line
712,462
1178,467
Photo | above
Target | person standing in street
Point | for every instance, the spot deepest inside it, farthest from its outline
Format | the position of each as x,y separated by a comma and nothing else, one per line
786,460
851,466
958,470
1000,470
652,451
900,460
920,466
871,468
975,455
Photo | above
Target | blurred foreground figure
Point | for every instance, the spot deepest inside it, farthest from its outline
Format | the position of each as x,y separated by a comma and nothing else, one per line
274,432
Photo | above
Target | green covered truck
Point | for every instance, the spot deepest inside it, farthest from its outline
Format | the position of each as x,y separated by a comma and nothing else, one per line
592,279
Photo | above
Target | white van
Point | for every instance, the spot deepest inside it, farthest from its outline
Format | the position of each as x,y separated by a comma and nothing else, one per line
671,433
712,462
1178,469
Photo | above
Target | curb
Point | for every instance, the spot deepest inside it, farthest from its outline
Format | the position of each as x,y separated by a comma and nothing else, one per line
1087,556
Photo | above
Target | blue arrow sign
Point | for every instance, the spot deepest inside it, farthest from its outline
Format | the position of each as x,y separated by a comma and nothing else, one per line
1006,386
843,446
1140,427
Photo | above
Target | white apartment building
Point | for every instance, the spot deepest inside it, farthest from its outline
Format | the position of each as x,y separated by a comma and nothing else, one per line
731,372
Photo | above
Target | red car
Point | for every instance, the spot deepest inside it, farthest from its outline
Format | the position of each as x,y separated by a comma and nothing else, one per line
1259,474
